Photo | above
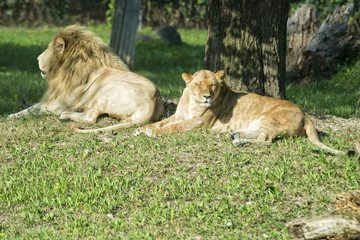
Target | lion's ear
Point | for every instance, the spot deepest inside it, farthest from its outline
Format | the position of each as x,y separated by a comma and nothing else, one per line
220,74
59,44
186,77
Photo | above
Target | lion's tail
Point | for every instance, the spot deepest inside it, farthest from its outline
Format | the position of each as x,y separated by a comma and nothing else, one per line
314,138
77,128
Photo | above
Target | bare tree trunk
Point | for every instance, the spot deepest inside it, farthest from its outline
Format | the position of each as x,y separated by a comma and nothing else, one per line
301,26
314,53
123,32
247,38
342,222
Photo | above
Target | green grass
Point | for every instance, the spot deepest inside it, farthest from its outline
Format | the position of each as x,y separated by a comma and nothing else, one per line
338,96
58,184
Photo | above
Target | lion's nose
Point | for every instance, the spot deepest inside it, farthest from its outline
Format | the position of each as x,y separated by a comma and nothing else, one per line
39,56
207,96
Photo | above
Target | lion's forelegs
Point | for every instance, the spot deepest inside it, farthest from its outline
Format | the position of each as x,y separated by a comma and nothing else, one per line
89,116
26,112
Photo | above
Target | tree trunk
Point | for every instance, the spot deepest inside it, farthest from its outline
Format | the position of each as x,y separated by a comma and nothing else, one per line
342,222
331,30
247,39
328,226
123,32
315,53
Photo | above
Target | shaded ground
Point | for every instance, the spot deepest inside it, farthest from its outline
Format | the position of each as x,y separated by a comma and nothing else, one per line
326,123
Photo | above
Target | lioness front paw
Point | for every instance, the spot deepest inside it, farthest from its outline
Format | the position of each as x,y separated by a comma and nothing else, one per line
233,135
148,132
239,143
137,132
236,139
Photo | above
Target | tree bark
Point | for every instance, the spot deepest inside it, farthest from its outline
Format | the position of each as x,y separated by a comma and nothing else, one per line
331,30
123,32
301,26
315,53
328,226
247,39
342,222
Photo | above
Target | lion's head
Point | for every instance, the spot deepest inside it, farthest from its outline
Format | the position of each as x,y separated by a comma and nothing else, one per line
205,86
71,57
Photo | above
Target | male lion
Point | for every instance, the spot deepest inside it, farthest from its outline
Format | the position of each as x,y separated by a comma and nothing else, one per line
208,102
85,79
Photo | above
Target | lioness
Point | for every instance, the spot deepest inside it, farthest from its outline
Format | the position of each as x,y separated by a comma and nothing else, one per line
85,79
208,102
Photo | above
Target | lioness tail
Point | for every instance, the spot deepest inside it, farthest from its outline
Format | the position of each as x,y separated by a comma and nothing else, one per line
314,138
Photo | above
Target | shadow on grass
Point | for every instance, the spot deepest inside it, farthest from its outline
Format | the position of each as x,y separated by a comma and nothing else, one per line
17,57
19,76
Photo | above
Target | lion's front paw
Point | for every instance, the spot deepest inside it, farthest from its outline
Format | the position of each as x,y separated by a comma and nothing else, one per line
12,116
65,116
147,132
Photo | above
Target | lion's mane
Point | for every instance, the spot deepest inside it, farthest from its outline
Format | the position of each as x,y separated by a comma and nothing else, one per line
84,53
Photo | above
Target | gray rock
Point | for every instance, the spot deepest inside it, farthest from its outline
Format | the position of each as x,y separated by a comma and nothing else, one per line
168,34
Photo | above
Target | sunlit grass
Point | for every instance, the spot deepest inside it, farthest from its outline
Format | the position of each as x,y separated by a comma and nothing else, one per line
339,95
58,184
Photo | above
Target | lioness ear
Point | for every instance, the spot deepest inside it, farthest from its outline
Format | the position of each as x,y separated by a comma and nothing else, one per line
220,74
59,44
186,77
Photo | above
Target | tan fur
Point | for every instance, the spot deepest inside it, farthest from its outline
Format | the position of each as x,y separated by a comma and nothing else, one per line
208,102
85,79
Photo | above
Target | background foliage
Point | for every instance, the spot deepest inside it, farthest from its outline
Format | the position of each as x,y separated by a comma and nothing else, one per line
33,12
178,13
324,7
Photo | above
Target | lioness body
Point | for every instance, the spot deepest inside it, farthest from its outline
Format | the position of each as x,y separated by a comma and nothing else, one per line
208,102
86,80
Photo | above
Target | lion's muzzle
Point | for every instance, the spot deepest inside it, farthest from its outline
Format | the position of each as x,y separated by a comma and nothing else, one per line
206,102
42,74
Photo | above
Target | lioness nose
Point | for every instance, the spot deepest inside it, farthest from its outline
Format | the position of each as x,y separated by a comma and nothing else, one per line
207,96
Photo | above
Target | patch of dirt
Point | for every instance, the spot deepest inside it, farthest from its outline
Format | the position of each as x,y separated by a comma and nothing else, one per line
326,123
169,107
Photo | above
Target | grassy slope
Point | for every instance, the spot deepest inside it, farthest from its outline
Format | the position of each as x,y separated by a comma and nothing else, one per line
55,183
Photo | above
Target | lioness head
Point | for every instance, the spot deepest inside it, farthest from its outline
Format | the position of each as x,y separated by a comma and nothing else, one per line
204,86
